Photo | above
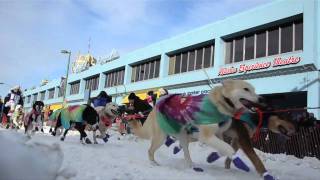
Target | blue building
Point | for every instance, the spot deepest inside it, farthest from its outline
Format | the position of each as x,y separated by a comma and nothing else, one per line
275,47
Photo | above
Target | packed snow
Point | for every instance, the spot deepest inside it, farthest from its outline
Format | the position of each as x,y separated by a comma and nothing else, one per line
125,158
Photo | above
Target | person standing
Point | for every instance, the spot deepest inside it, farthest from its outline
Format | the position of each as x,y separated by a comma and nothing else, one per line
139,106
13,98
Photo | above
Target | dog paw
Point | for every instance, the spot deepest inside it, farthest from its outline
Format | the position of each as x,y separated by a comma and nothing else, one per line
213,157
240,164
42,130
197,169
53,133
36,129
96,142
107,135
154,163
62,139
176,149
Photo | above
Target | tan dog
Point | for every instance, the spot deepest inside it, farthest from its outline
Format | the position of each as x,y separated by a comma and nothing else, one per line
17,116
227,99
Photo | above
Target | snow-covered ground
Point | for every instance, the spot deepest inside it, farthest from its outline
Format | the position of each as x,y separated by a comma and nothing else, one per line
125,158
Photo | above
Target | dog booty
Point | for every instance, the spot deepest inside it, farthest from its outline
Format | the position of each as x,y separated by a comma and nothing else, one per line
36,129
198,169
267,176
107,135
169,141
240,164
105,139
176,149
213,157
88,141
50,130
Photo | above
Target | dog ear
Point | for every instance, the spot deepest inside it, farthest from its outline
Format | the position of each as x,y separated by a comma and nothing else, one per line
227,82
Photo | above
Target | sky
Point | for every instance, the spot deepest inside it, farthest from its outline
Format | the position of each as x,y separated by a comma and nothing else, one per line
33,32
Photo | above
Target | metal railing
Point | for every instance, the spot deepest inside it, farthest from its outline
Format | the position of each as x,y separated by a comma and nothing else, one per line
306,142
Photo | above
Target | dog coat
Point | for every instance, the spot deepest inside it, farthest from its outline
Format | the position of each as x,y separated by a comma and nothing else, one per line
177,111
71,114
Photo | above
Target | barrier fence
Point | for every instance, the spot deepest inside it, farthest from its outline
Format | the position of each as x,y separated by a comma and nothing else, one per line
306,142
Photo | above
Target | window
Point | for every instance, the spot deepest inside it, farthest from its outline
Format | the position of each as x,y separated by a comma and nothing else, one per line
272,41
191,60
92,83
51,93
35,97
199,58
177,64
238,50
261,45
42,95
298,36
147,70
207,60
249,47
184,62
61,92
28,98
286,38
74,87
229,52
114,78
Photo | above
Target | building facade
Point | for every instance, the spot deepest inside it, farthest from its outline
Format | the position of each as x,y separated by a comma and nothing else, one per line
275,47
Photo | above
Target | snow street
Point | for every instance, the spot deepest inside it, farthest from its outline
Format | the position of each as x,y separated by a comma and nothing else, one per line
125,157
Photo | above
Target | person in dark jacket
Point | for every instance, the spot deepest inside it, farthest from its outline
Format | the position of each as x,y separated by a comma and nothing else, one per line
139,106
13,99
151,98
102,99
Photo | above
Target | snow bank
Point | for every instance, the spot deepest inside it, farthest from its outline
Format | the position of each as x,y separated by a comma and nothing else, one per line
23,158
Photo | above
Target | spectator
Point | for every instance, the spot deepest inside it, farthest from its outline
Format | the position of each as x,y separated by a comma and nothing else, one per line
163,92
102,99
151,98
139,106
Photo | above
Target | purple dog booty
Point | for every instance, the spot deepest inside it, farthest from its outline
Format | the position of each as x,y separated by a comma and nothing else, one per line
198,169
240,164
213,157
176,149
267,176
105,139
169,141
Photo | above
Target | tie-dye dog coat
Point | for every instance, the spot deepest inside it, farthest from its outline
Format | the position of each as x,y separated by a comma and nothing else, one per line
175,112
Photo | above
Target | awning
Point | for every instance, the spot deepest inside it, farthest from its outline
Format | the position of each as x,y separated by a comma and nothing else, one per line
54,107
141,95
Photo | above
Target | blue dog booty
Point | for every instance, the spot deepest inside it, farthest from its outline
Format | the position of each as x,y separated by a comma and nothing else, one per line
169,141
198,169
267,176
176,149
213,157
105,139
107,135
240,164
